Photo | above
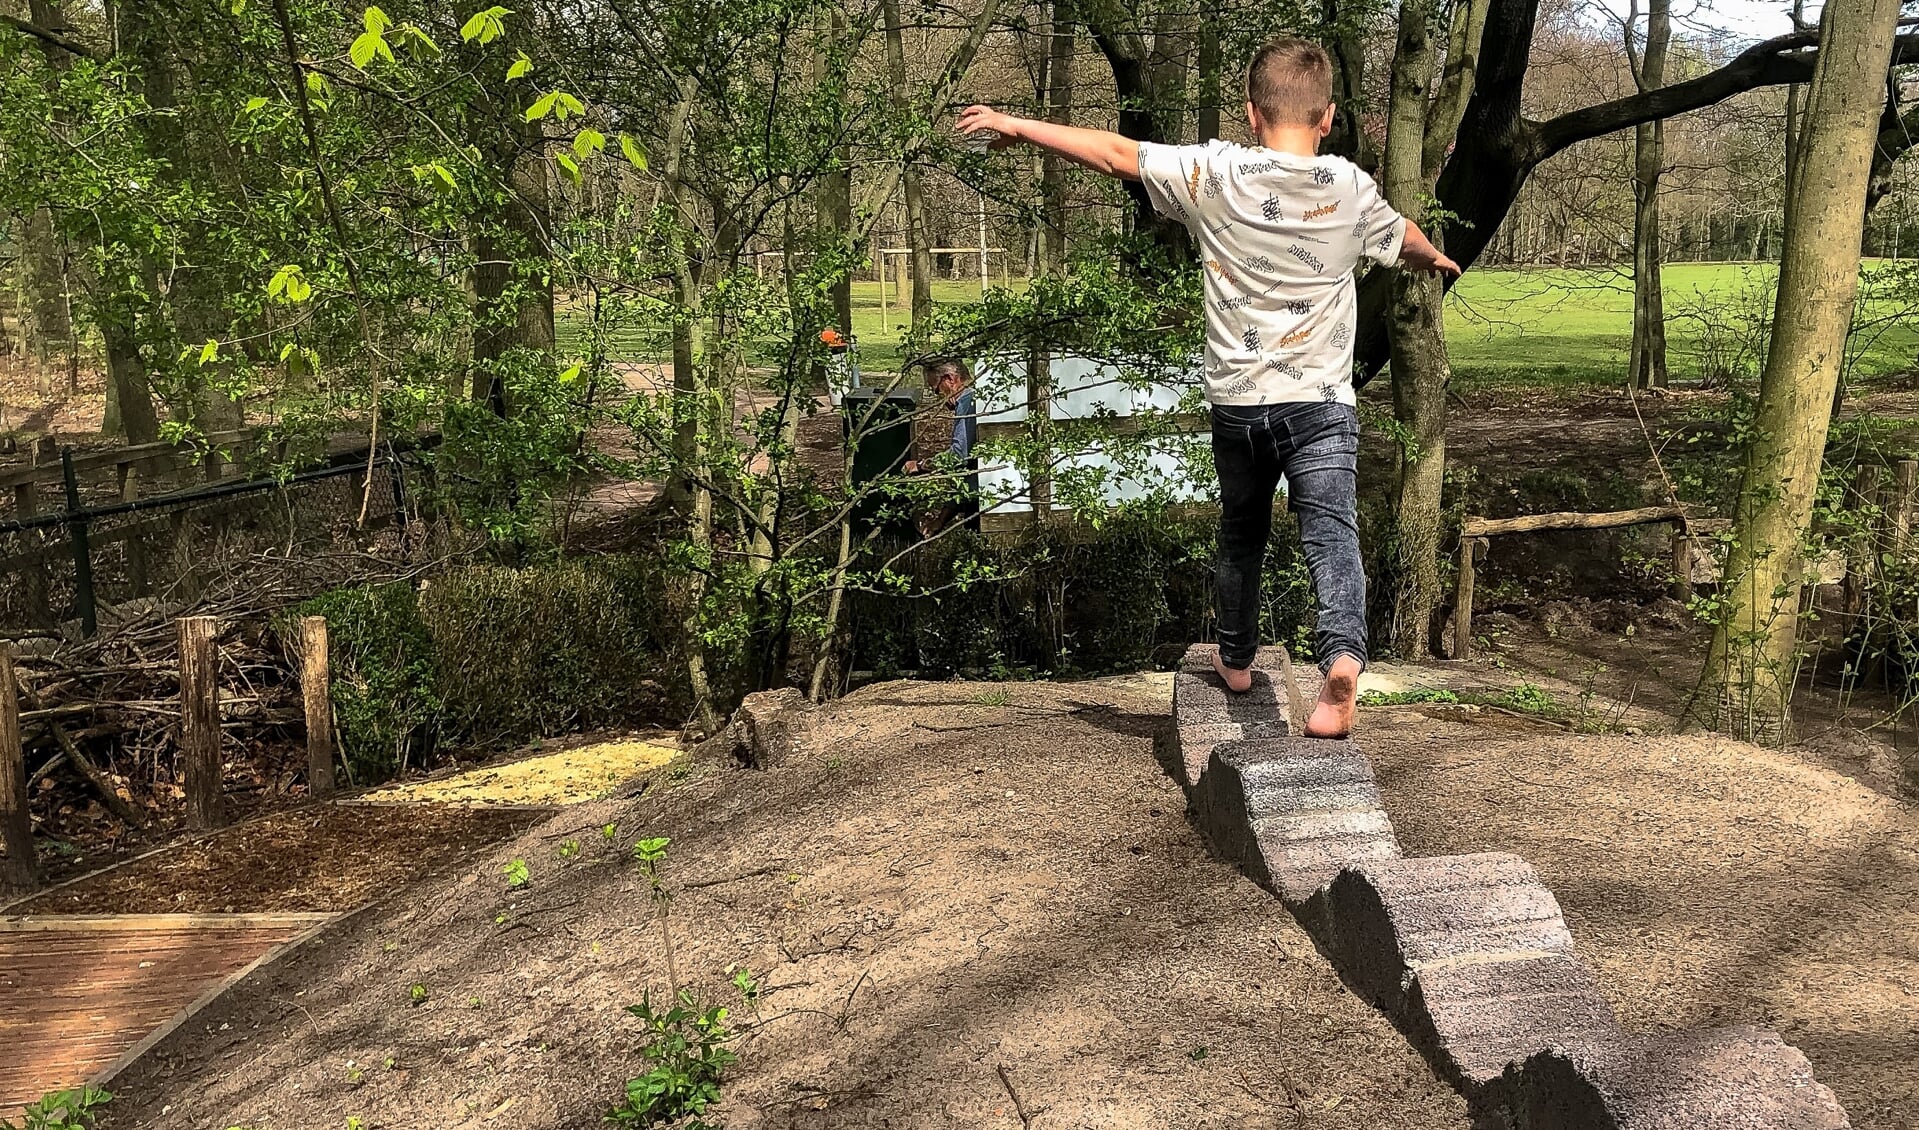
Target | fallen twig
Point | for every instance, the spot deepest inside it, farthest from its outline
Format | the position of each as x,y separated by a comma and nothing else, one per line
1006,1079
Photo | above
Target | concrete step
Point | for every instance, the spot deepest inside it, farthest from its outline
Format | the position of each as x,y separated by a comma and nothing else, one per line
1736,1078
1292,811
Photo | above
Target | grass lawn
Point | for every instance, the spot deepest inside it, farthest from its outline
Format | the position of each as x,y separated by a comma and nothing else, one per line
1541,327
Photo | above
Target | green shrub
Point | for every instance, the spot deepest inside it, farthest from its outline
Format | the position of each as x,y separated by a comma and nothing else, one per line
1067,598
384,678
540,650
485,654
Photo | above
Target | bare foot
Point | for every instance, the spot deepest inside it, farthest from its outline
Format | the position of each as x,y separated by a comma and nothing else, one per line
1333,714
1238,681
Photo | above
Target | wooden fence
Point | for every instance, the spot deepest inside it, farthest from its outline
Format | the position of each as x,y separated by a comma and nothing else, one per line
199,741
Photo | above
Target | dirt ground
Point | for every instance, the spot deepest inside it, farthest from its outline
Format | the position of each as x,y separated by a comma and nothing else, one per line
311,859
953,882
1709,882
949,885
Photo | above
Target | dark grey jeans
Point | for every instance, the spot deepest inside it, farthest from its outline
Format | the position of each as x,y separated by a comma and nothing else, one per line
1316,447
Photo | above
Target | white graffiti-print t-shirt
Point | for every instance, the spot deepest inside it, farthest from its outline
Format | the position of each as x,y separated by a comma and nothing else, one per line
1279,235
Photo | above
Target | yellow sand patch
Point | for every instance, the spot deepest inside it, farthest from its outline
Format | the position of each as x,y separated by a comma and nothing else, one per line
567,777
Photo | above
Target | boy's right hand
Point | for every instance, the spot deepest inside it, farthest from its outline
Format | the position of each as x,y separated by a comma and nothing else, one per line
984,119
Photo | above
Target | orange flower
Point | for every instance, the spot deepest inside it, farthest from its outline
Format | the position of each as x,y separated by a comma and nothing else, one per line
832,339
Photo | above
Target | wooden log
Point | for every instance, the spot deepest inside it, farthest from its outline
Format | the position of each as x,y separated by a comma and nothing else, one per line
200,721
1463,601
96,778
1570,520
316,690
21,870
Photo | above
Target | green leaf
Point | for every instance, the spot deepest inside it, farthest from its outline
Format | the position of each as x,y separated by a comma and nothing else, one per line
486,26
420,40
569,105
589,142
568,166
289,284
570,374
376,21
256,104
366,47
520,67
543,107
209,351
237,7
317,83
633,152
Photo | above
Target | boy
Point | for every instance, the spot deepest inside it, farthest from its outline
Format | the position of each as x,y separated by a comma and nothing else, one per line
1280,230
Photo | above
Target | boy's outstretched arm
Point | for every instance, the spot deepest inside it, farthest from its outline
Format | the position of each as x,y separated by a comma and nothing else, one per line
1417,253
1096,149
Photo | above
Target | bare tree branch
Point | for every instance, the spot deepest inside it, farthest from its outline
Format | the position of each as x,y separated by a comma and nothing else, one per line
51,38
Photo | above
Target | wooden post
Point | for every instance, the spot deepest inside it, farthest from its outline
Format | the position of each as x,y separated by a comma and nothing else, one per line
136,544
1463,600
1683,551
1899,516
316,690
200,721
21,870
1864,565
82,550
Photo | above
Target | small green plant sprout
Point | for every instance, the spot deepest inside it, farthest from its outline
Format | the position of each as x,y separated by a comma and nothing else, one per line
747,984
355,1074
1198,1053
1529,698
997,696
390,1063
517,874
570,849
651,851
1407,698
473,1003
687,1046
416,993
610,833
74,1109
355,1122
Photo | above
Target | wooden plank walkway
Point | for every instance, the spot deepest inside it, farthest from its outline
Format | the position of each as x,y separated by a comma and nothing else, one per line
80,993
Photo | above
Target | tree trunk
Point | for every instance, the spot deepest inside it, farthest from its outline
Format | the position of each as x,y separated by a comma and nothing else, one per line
513,294
129,395
1648,358
836,211
910,177
1420,370
1210,96
45,312
1348,53
1746,689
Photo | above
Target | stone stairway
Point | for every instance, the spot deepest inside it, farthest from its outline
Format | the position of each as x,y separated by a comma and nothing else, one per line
1467,954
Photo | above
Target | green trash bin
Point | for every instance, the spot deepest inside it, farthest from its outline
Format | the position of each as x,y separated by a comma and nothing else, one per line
884,445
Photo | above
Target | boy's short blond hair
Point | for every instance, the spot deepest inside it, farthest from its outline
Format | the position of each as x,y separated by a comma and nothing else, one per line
1290,82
